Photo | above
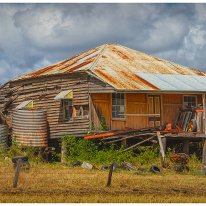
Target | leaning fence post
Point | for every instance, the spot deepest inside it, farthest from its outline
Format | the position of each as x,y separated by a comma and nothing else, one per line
17,172
162,152
110,175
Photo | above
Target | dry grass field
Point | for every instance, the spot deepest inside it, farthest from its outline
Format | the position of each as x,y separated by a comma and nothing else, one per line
58,183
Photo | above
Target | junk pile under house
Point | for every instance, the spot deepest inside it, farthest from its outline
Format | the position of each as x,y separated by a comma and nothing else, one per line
187,128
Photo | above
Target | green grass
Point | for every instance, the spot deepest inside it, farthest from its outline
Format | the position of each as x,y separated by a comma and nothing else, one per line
58,183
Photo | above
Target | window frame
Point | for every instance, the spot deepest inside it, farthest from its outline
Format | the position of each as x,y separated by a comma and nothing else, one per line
189,95
119,118
63,110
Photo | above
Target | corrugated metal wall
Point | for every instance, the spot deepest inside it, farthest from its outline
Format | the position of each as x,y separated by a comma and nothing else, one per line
3,136
30,127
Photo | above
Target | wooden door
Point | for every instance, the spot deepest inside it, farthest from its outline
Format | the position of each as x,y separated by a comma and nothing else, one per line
154,110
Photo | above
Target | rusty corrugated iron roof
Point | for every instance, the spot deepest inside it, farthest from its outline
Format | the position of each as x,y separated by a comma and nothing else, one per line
118,66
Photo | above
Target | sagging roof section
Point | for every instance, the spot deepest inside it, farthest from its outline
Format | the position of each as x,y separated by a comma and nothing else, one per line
128,69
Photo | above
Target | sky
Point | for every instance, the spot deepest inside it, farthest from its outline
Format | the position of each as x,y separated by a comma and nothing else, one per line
36,35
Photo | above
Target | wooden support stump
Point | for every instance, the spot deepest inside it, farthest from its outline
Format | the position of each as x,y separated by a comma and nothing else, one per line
186,147
162,151
17,172
164,143
124,143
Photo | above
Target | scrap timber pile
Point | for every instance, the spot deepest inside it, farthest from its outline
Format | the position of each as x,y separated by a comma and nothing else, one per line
142,135
190,120
189,123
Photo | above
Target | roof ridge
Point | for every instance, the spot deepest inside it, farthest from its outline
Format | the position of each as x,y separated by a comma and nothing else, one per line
97,58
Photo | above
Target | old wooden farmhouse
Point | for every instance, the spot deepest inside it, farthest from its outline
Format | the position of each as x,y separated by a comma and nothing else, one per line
125,88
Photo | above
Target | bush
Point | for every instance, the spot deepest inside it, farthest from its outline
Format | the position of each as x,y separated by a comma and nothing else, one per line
95,151
32,153
147,155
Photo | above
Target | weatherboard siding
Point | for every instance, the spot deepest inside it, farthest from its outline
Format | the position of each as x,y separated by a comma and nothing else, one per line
42,92
136,104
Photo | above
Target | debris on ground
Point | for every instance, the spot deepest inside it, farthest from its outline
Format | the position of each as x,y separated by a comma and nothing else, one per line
128,166
87,165
142,169
182,168
104,167
180,158
155,169
116,166
76,163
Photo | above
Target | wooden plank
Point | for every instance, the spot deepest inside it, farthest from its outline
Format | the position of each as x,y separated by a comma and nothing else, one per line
139,143
127,137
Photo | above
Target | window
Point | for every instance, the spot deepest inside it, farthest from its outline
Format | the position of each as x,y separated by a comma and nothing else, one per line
118,106
67,109
189,101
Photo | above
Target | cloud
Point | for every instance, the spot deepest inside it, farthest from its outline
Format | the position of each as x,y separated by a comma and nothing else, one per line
35,35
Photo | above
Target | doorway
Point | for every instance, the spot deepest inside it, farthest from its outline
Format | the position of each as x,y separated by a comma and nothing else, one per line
154,110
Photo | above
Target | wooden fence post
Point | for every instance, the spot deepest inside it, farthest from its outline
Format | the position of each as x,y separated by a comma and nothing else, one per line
110,175
17,172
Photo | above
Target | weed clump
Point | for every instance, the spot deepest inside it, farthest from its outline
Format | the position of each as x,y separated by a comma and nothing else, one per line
96,152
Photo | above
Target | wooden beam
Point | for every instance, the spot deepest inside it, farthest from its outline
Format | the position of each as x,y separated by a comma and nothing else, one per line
146,140
164,143
128,137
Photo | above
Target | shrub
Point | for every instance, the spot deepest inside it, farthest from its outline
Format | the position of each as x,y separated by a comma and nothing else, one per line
95,151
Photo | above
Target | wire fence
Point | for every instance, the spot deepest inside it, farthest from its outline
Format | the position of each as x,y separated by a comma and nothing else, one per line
31,173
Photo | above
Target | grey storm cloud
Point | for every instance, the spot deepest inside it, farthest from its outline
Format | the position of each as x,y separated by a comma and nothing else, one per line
36,35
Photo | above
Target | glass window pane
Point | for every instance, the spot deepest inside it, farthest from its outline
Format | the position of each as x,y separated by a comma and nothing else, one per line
118,105
189,101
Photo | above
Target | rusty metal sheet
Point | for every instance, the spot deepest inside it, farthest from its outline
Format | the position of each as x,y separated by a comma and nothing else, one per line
78,62
30,127
118,66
